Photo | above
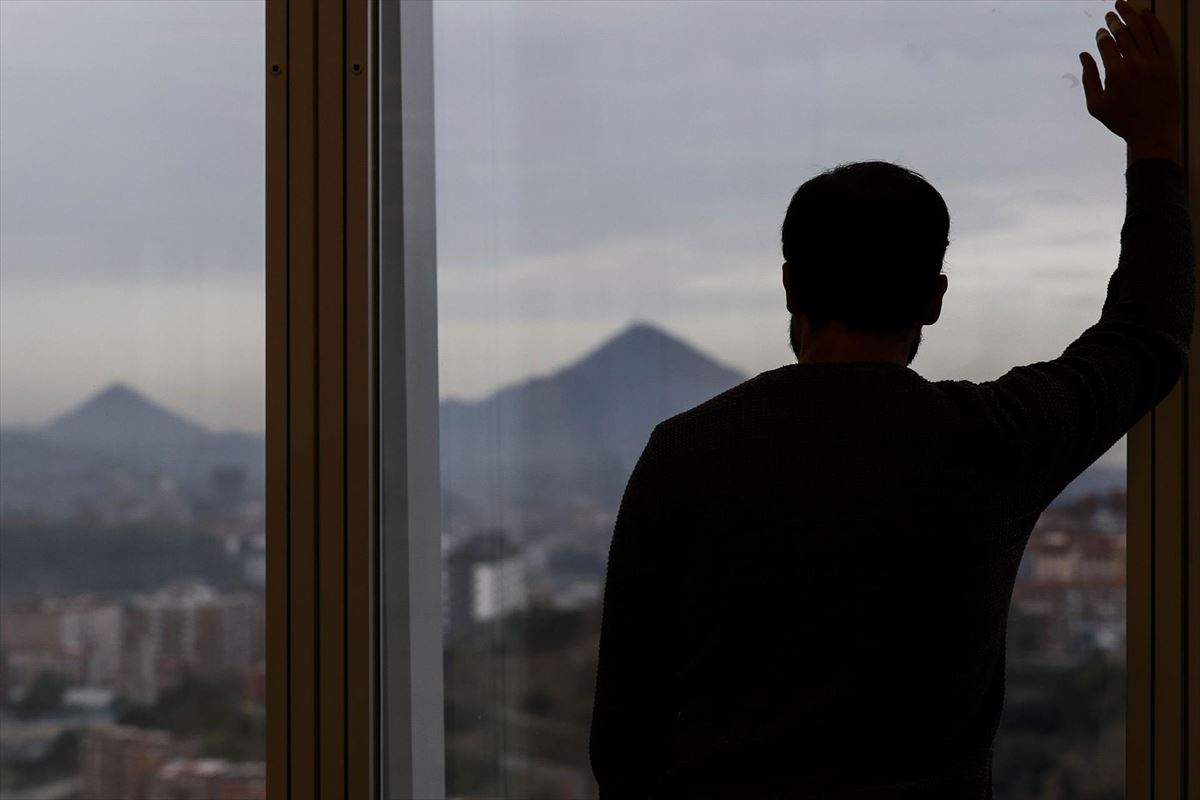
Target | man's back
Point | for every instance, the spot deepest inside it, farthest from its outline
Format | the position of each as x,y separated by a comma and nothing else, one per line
837,576
810,574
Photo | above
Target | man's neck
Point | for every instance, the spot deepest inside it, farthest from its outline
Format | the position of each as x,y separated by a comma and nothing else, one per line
834,343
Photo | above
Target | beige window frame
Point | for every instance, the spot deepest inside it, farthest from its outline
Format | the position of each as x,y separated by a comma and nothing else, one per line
328,735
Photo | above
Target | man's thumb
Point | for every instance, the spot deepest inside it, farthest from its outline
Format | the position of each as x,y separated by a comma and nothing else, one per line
1092,90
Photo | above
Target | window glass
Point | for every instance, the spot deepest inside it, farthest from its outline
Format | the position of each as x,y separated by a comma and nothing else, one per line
131,399
611,178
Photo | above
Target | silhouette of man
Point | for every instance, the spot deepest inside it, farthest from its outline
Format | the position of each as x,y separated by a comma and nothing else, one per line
810,574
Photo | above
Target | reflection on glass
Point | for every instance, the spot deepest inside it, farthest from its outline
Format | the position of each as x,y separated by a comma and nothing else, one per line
611,178
131,400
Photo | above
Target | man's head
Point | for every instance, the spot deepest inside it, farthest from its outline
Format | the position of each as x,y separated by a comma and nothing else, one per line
863,245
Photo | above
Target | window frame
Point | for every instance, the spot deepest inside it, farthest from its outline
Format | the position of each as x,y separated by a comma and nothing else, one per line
353,557
411,697
322,476
1163,571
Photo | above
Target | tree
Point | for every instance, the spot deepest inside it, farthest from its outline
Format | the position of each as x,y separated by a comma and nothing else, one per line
43,697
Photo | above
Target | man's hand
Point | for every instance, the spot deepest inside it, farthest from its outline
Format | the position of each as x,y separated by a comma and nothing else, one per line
1140,98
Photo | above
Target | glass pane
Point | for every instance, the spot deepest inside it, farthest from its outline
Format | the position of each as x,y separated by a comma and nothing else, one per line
131,399
611,180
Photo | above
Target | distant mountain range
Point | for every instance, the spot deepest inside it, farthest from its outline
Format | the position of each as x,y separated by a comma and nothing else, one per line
573,436
568,438
117,447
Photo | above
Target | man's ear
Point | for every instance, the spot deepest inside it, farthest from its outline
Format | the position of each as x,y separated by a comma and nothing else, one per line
787,286
934,308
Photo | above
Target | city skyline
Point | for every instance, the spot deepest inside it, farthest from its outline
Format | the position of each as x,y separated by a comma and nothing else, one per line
611,176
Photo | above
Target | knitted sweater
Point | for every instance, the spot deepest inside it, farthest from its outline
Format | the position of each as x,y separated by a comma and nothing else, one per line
810,574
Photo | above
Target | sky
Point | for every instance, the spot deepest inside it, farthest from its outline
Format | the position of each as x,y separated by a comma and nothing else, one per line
597,164
131,206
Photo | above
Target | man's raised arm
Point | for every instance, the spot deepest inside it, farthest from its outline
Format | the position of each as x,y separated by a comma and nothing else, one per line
1062,415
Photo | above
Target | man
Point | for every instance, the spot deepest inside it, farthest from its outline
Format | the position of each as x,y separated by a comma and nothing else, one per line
810,574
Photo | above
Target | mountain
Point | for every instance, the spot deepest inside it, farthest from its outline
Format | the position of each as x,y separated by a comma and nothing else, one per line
122,424
118,450
552,442
573,436
120,420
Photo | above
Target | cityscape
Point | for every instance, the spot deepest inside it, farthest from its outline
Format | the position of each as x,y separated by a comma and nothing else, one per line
132,548
132,566
596,162
522,599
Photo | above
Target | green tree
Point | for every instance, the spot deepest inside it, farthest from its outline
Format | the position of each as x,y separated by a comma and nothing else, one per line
61,759
43,697
47,560
212,712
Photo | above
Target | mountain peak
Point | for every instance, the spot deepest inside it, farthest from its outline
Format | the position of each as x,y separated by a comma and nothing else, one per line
578,431
642,332
118,392
119,411
643,338
118,397
645,348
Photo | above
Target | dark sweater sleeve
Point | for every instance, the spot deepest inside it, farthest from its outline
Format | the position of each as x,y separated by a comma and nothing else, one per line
631,713
1059,416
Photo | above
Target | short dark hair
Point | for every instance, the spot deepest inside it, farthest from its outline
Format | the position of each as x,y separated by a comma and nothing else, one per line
865,241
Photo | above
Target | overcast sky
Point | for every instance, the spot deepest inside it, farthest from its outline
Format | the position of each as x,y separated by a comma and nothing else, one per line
598,163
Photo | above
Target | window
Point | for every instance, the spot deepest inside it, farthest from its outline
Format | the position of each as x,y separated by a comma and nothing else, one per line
453,192
132,541
523,192
610,183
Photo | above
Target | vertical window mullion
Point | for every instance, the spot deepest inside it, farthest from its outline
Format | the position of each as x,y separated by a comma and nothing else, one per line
410,534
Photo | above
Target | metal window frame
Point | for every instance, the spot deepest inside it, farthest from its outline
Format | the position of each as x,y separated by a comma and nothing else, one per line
411,695
321,279
353,558
1163,692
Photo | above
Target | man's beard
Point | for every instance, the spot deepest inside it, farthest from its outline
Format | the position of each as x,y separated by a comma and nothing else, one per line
794,339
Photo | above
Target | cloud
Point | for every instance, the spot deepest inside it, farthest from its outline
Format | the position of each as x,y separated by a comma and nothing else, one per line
557,128
132,138
598,162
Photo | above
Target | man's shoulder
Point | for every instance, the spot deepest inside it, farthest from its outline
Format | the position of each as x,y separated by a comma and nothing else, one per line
774,385
755,405
714,417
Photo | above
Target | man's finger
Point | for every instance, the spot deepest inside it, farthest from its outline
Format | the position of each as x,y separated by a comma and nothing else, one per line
1162,44
1092,91
1124,38
1110,54
1136,29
